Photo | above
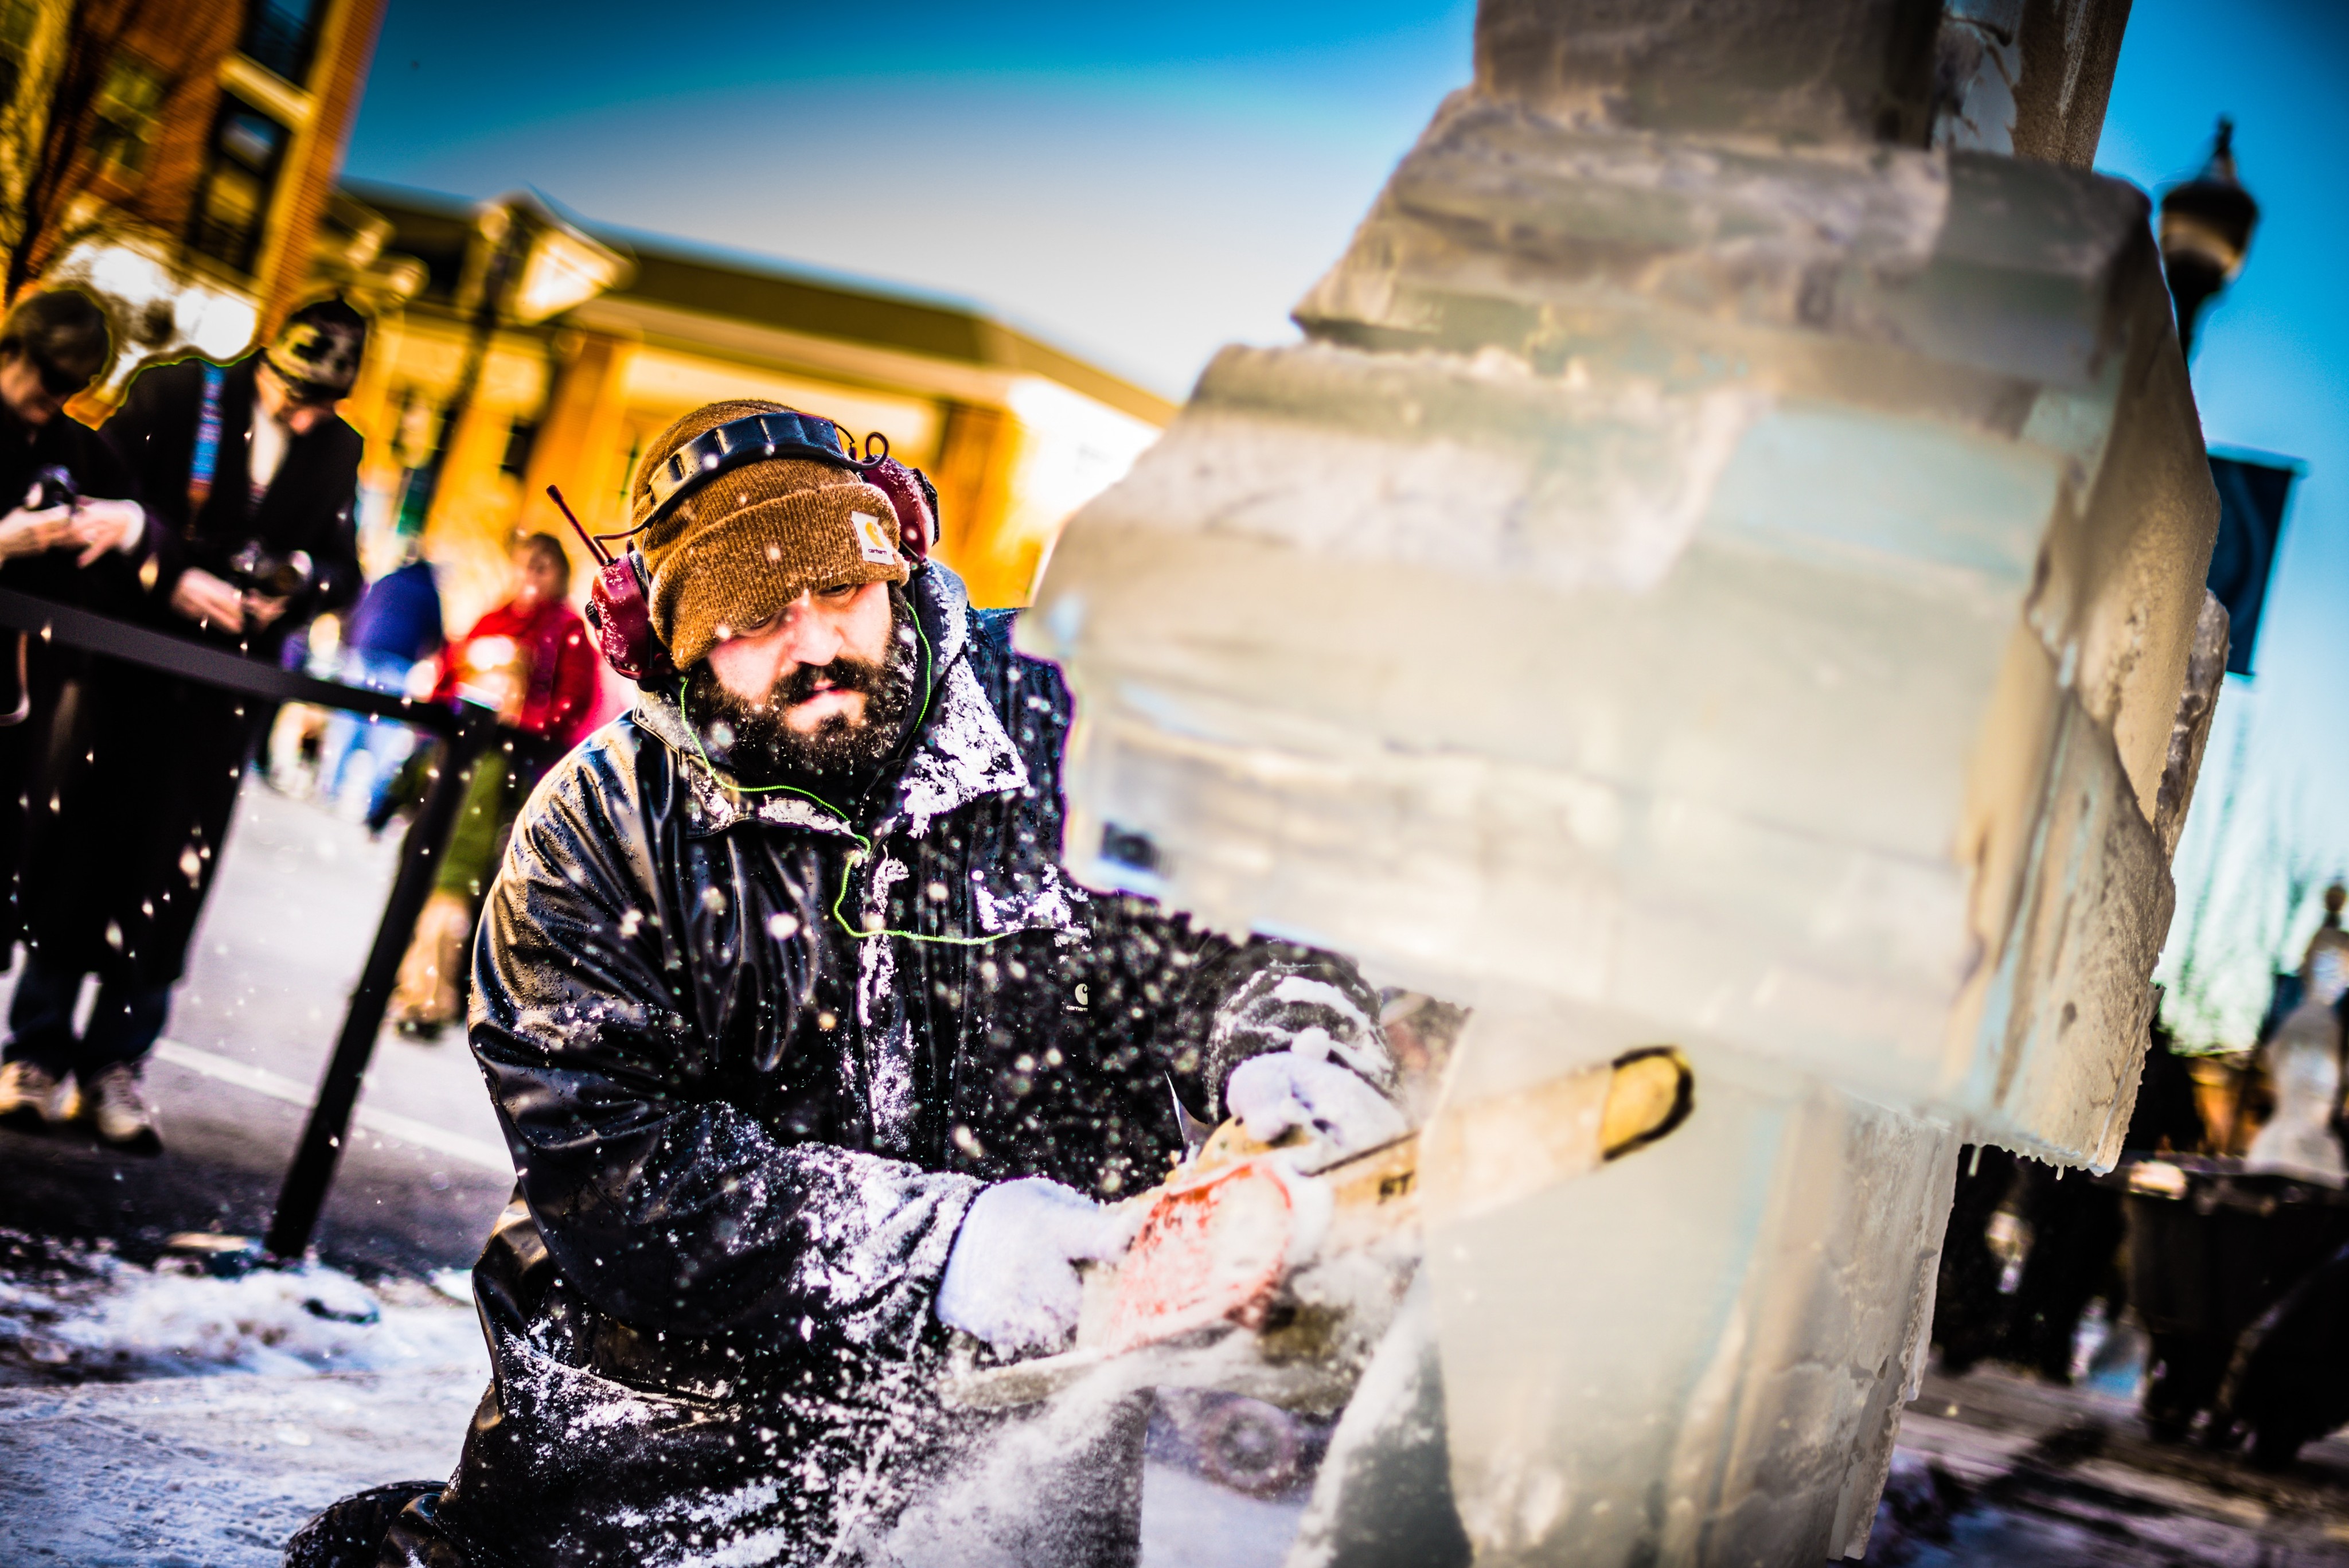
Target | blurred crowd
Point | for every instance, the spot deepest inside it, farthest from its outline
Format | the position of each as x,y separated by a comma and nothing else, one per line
528,661
216,503
2218,1247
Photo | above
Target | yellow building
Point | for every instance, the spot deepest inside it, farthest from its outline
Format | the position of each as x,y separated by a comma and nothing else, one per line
1014,433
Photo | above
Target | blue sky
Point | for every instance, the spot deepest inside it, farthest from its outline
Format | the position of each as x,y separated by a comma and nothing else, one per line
1138,188
2270,374
1145,186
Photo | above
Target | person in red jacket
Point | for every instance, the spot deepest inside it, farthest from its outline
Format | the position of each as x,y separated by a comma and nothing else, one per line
531,661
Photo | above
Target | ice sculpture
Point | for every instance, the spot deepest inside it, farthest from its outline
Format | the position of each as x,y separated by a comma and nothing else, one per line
1725,570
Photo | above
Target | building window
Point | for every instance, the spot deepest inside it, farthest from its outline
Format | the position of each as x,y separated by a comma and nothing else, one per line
521,437
241,164
282,35
129,98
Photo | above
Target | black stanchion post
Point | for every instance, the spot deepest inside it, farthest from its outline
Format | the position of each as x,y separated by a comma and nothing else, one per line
304,1193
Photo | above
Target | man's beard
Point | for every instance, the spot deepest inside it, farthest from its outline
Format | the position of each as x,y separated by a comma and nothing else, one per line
749,738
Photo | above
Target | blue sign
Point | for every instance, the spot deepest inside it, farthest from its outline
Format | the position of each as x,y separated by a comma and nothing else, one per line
2251,496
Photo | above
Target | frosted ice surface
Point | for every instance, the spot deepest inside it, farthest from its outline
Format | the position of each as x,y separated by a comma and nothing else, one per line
1551,618
1707,579
1783,1252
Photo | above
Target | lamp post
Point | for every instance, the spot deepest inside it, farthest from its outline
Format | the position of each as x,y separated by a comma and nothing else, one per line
534,266
2206,230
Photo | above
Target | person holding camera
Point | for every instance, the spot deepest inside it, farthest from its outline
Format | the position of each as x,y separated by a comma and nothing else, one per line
249,476
70,533
63,492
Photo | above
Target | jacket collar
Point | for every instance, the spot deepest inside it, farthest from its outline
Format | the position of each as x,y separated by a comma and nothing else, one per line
961,754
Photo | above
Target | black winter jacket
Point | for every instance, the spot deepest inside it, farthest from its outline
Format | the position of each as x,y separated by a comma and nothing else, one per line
308,505
746,1130
110,585
127,833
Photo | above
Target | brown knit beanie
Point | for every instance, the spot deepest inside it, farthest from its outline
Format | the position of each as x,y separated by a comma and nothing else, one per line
751,541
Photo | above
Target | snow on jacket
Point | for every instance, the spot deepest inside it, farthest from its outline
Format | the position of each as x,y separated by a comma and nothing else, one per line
749,1105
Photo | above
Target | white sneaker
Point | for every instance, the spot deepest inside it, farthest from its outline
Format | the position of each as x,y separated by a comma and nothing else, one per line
31,1099
118,1110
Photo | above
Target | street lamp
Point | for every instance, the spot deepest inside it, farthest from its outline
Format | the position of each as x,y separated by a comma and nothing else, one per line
531,266
2206,228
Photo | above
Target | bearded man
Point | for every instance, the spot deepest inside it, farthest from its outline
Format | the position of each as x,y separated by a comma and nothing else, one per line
808,1055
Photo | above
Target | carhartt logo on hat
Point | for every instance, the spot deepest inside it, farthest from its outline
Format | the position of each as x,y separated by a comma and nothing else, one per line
873,538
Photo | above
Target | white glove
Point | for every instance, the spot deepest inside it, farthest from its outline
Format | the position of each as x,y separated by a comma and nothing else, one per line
1278,1091
1011,1279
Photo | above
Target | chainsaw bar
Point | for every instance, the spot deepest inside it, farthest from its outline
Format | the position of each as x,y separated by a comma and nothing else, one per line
1191,1302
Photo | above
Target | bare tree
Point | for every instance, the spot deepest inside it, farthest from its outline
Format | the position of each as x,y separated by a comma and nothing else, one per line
66,151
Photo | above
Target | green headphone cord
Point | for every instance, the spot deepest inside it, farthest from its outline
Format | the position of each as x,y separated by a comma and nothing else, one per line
864,845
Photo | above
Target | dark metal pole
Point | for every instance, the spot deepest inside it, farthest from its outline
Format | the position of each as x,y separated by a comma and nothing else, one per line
304,1193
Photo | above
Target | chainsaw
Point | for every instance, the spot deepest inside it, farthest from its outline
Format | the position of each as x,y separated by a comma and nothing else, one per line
1256,1270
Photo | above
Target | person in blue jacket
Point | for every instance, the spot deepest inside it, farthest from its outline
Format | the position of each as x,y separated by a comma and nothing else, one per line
395,627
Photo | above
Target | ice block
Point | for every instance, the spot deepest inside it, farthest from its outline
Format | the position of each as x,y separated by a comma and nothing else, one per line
1725,570
1824,649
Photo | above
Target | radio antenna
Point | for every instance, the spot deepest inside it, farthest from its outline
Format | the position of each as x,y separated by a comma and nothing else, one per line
603,557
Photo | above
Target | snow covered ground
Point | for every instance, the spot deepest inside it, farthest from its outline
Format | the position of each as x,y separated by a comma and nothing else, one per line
78,1313
1999,1468
213,1415
212,1470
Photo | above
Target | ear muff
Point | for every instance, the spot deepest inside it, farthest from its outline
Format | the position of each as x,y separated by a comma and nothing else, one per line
619,609
912,500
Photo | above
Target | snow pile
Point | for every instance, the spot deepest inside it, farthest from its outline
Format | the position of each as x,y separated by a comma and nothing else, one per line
105,1317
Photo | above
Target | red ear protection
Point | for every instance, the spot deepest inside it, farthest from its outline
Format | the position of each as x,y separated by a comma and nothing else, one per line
623,621
916,504
619,609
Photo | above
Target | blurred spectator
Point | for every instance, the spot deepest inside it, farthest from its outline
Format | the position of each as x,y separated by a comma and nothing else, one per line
250,475
68,533
1968,1309
395,627
2324,968
2077,1226
2075,1230
531,661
